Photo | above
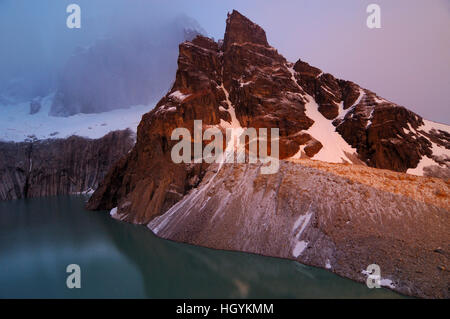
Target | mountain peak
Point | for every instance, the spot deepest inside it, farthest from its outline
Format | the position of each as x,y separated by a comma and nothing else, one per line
240,29
242,84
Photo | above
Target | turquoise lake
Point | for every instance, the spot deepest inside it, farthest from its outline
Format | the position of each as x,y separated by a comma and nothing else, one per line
40,237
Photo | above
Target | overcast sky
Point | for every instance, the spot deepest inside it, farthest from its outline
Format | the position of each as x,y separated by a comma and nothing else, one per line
407,61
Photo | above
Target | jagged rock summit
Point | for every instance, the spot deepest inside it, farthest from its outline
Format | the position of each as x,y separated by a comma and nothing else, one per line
241,30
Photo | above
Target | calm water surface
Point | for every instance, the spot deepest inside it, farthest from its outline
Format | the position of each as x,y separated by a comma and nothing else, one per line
40,237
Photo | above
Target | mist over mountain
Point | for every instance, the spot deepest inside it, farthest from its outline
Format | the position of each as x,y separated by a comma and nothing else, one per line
128,69
40,55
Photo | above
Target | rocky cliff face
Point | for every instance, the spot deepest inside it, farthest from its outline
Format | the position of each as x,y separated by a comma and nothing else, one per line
59,166
244,82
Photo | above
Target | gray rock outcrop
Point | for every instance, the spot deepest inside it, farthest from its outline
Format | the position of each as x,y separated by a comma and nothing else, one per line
59,166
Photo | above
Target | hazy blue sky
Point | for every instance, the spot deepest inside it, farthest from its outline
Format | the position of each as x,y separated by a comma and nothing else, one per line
406,61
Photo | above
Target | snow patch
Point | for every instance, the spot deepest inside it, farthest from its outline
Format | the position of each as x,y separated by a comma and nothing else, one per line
406,131
236,129
298,155
380,100
327,90
424,162
88,192
410,127
342,112
334,146
234,124
298,229
17,125
242,84
430,125
440,151
387,283
383,281
302,220
369,122
165,108
113,212
299,248
177,95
